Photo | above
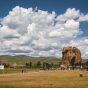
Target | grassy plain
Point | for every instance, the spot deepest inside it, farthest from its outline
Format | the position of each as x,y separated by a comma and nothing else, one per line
45,79
34,78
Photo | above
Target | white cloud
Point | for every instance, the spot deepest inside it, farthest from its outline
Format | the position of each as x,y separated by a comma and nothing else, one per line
83,17
40,33
72,13
55,33
69,14
68,29
81,44
7,33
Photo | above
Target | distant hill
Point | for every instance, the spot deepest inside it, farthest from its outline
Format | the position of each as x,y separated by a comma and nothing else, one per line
22,59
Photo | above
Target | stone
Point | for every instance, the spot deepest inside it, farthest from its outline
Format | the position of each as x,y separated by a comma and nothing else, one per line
71,56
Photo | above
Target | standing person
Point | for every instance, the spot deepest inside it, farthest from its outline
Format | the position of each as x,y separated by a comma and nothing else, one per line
22,71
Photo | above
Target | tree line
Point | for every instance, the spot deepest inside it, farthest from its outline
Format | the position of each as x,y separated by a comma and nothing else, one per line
42,65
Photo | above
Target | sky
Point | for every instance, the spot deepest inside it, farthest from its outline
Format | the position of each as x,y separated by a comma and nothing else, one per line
43,27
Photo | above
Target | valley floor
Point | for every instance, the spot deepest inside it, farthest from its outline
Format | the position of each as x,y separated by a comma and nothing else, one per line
45,79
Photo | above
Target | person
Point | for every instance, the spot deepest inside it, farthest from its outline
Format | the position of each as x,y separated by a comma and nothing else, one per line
81,75
22,71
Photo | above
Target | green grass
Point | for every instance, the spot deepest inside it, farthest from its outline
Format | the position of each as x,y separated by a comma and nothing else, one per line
16,70
10,70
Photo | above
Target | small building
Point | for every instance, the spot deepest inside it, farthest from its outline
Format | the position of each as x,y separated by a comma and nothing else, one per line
1,67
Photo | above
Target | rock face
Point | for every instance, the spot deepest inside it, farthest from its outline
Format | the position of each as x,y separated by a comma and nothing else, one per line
71,56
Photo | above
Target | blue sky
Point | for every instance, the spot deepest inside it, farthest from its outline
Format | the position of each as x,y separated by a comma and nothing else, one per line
59,6
44,31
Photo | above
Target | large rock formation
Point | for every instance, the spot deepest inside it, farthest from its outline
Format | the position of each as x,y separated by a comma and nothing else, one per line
71,56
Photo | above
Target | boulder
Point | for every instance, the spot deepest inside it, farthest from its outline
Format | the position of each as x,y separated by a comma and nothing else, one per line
71,56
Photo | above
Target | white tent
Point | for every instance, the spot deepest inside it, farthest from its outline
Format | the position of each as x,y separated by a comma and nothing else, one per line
1,67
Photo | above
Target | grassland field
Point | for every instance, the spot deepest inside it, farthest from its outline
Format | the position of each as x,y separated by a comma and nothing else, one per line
45,79
35,78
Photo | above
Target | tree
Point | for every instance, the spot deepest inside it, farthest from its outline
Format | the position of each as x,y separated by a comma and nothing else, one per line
46,65
29,65
38,65
52,65
86,63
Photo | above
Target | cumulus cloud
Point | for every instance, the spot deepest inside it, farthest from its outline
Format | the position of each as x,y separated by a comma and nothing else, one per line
81,44
7,33
36,32
83,17
69,14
